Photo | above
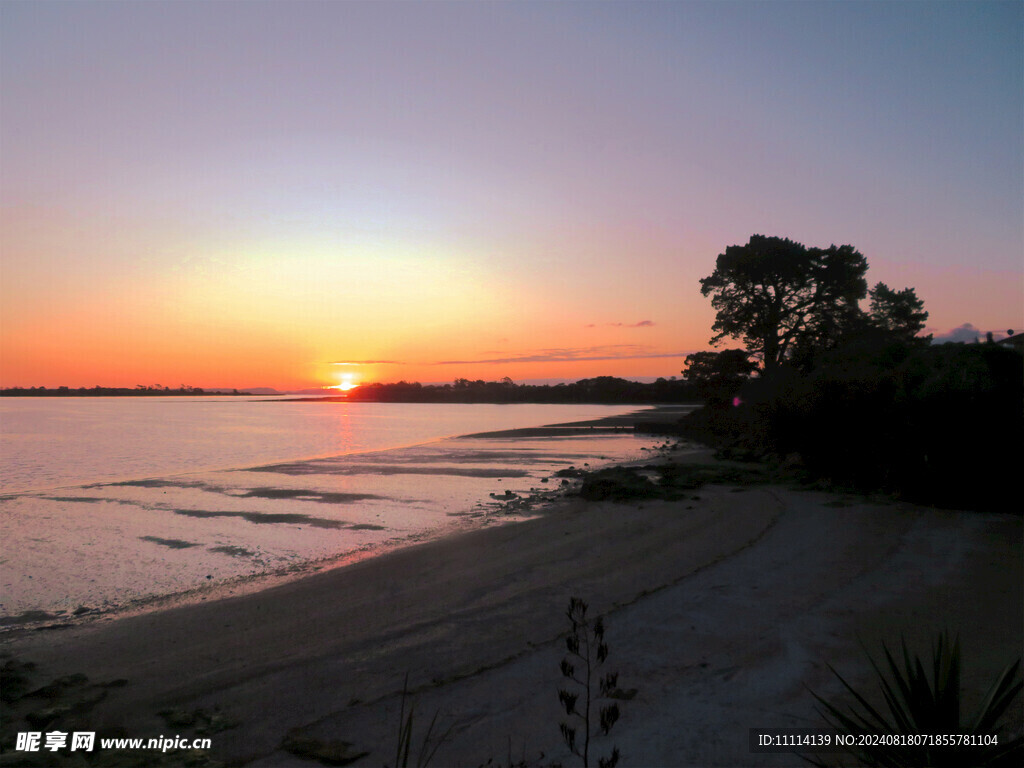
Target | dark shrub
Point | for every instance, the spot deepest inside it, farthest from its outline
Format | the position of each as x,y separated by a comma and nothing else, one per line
941,424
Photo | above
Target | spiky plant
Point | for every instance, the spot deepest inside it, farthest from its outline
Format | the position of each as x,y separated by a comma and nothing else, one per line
922,705
587,648
404,740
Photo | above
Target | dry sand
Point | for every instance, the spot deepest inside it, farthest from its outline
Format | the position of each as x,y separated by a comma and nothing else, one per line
720,611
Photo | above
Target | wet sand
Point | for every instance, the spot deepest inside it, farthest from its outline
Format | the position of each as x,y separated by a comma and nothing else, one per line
720,609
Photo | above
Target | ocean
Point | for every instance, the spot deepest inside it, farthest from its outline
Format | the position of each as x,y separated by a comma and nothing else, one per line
113,503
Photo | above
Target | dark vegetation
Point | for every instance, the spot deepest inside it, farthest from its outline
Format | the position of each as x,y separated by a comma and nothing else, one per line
925,699
98,391
855,397
661,481
430,743
603,389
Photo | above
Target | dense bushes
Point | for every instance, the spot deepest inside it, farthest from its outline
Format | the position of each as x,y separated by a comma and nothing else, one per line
941,424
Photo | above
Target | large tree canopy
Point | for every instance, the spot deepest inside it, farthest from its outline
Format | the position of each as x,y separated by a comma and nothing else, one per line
776,295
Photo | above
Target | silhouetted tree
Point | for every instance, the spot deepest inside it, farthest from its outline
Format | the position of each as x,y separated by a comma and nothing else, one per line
899,313
774,294
718,375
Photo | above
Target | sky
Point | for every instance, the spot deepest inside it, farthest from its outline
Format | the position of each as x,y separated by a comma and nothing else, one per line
284,194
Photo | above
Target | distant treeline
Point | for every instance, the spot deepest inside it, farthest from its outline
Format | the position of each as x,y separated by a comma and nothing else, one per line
112,391
607,390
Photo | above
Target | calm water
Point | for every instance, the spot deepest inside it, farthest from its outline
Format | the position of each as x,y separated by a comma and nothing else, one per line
57,442
113,502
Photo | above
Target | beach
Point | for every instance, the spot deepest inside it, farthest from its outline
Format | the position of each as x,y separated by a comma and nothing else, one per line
722,609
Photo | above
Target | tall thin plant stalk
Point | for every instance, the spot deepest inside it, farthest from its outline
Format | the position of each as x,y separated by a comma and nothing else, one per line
587,648
404,740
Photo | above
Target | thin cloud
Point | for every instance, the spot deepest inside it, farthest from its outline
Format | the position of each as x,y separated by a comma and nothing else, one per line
555,355
367,362
641,324
964,333
570,355
968,333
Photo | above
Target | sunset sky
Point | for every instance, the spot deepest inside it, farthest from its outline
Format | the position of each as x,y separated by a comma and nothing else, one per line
252,194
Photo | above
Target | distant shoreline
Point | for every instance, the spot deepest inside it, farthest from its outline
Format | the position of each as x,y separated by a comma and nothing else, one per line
121,392
600,390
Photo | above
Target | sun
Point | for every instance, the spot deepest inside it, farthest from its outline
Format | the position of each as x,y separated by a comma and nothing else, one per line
346,383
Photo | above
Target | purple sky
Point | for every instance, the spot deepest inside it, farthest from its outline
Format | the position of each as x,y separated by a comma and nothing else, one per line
245,193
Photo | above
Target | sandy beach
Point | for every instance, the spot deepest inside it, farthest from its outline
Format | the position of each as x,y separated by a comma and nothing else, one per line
721,610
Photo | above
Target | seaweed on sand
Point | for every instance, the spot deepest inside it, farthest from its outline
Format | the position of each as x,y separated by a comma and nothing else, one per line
667,481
